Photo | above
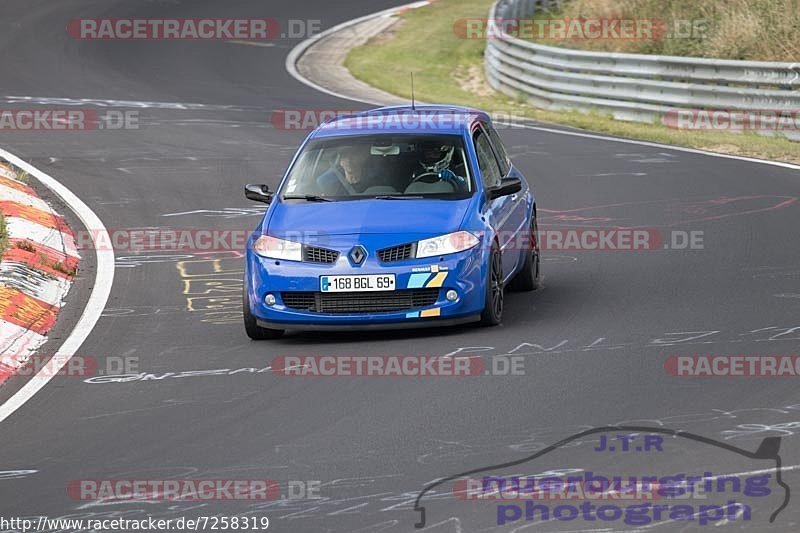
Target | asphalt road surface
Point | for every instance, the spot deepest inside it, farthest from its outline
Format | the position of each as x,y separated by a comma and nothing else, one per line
593,341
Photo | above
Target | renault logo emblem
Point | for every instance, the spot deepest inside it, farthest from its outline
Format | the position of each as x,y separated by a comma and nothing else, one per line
358,254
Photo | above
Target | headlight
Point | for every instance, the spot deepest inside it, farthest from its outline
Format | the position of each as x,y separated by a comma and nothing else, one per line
273,248
447,244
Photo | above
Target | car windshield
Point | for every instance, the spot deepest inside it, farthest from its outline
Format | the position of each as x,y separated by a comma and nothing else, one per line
380,166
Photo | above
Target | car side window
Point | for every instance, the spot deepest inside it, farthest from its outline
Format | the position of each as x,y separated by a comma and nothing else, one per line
499,148
487,163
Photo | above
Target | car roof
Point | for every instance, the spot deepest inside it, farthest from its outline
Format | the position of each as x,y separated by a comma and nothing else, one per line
443,119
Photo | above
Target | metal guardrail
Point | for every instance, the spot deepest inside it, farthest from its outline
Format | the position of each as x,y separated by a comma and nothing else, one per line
634,87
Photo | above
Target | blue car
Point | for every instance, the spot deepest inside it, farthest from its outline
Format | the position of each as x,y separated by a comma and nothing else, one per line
395,217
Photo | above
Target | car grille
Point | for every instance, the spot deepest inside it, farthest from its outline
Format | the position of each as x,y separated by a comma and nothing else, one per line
359,302
312,254
396,253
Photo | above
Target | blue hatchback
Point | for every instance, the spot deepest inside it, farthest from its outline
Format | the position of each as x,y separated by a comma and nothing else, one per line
395,217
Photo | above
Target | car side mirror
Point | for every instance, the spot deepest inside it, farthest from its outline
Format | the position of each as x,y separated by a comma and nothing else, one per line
258,193
507,186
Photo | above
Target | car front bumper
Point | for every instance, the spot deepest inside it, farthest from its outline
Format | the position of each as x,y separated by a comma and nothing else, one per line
463,272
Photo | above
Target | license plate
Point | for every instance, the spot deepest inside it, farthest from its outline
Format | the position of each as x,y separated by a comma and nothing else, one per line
367,282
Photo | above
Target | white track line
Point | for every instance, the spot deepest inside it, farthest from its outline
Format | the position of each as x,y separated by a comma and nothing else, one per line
101,290
599,137
297,52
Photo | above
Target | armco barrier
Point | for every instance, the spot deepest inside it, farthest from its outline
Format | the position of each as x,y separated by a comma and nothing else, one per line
635,86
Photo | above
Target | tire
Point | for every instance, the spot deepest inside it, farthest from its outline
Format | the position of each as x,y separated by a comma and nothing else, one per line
529,276
253,330
493,310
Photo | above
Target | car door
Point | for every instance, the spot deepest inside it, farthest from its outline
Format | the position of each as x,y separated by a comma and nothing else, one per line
518,218
498,211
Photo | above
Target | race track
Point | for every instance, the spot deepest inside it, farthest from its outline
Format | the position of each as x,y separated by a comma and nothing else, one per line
594,339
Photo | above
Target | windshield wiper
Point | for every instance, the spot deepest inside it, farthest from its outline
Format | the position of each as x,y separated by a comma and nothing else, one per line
307,197
398,197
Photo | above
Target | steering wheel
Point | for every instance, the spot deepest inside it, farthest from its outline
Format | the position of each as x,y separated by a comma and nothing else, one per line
428,175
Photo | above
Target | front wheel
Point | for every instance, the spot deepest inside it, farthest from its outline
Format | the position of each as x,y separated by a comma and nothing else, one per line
493,310
251,327
528,278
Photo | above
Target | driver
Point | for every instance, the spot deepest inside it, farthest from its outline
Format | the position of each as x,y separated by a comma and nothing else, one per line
348,177
435,159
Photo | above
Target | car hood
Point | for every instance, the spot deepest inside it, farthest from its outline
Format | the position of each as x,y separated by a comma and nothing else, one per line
422,217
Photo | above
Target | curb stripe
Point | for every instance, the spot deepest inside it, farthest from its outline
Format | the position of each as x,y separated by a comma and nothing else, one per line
39,285
45,218
23,310
18,185
31,289
6,372
18,340
98,298
34,259
42,235
14,195
10,365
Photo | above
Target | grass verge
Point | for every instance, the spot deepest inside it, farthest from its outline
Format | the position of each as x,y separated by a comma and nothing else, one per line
755,30
3,235
449,69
